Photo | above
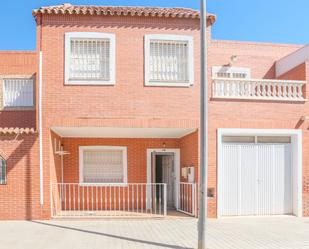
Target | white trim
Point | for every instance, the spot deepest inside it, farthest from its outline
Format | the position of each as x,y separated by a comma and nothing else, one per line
188,39
122,132
296,144
41,128
93,35
125,164
292,60
176,168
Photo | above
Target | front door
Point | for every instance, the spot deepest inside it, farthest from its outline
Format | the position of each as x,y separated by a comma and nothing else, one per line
168,178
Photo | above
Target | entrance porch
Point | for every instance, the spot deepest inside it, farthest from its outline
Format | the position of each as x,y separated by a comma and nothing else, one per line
123,171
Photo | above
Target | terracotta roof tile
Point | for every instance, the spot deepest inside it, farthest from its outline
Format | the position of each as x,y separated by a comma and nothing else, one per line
121,10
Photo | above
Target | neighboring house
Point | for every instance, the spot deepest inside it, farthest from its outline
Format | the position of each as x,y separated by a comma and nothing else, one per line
103,119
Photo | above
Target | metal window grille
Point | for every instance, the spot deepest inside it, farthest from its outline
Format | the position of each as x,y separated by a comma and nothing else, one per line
103,166
90,59
18,93
168,61
2,171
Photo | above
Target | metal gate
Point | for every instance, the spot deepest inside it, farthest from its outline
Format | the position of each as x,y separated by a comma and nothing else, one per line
187,198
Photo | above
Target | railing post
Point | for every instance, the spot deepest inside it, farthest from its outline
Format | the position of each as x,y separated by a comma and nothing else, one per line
193,199
165,200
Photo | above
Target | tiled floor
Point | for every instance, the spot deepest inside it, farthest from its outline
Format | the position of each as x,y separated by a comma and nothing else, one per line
173,232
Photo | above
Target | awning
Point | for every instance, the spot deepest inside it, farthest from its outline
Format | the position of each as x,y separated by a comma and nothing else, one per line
117,132
16,130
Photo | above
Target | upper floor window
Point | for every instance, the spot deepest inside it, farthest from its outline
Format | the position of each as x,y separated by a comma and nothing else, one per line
89,58
231,72
18,92
103,164
169,60
2,171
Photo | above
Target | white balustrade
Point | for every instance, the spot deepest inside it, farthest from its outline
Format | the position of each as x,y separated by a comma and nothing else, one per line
258,89
75,200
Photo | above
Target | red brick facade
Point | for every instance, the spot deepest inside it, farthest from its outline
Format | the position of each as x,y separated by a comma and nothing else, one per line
20,196
130,104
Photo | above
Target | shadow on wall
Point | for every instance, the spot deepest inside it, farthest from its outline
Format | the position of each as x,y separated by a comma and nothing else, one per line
271,73
22,119
116,22
21,146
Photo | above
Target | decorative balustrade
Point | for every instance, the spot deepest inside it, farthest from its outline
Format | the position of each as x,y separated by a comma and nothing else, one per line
258,89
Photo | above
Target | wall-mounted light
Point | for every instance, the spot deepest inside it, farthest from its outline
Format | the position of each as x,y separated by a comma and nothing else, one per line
233,59
164,145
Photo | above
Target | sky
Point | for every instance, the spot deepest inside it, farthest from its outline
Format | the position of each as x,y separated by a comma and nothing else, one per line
279,21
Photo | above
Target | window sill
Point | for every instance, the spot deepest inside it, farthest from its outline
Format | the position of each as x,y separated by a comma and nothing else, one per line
18,108
168,84
90,82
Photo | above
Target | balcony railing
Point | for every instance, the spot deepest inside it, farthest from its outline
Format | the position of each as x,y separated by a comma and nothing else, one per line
133,199
258,89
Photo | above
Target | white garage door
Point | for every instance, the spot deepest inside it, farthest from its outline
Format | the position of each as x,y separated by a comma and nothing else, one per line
256,179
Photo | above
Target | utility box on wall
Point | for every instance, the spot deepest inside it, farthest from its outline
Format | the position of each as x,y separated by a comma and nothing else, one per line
188,173
191,174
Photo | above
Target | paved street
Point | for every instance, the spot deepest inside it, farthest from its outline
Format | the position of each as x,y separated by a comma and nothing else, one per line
238,233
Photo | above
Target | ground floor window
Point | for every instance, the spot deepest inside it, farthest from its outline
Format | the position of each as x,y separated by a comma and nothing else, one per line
103,164
2,171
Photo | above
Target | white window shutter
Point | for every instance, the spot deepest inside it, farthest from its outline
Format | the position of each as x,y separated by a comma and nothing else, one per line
103,166
18,93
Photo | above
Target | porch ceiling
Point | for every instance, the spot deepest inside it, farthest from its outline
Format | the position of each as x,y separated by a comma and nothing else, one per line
117,132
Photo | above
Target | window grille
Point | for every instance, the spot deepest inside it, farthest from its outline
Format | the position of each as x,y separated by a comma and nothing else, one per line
2,171
18,93
89,59
168,61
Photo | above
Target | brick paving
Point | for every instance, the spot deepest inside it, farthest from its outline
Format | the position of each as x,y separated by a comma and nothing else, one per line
267,232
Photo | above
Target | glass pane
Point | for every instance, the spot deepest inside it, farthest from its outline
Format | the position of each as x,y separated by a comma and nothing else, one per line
2,171
272,139
238,139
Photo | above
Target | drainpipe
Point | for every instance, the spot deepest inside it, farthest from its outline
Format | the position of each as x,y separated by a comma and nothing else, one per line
40,114
40,129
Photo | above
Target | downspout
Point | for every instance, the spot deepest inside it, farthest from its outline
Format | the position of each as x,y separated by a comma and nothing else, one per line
40,116
40,133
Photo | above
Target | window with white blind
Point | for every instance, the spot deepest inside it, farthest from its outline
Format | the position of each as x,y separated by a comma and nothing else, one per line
231,72
169,60
103,164
89,58
2,171
18,92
